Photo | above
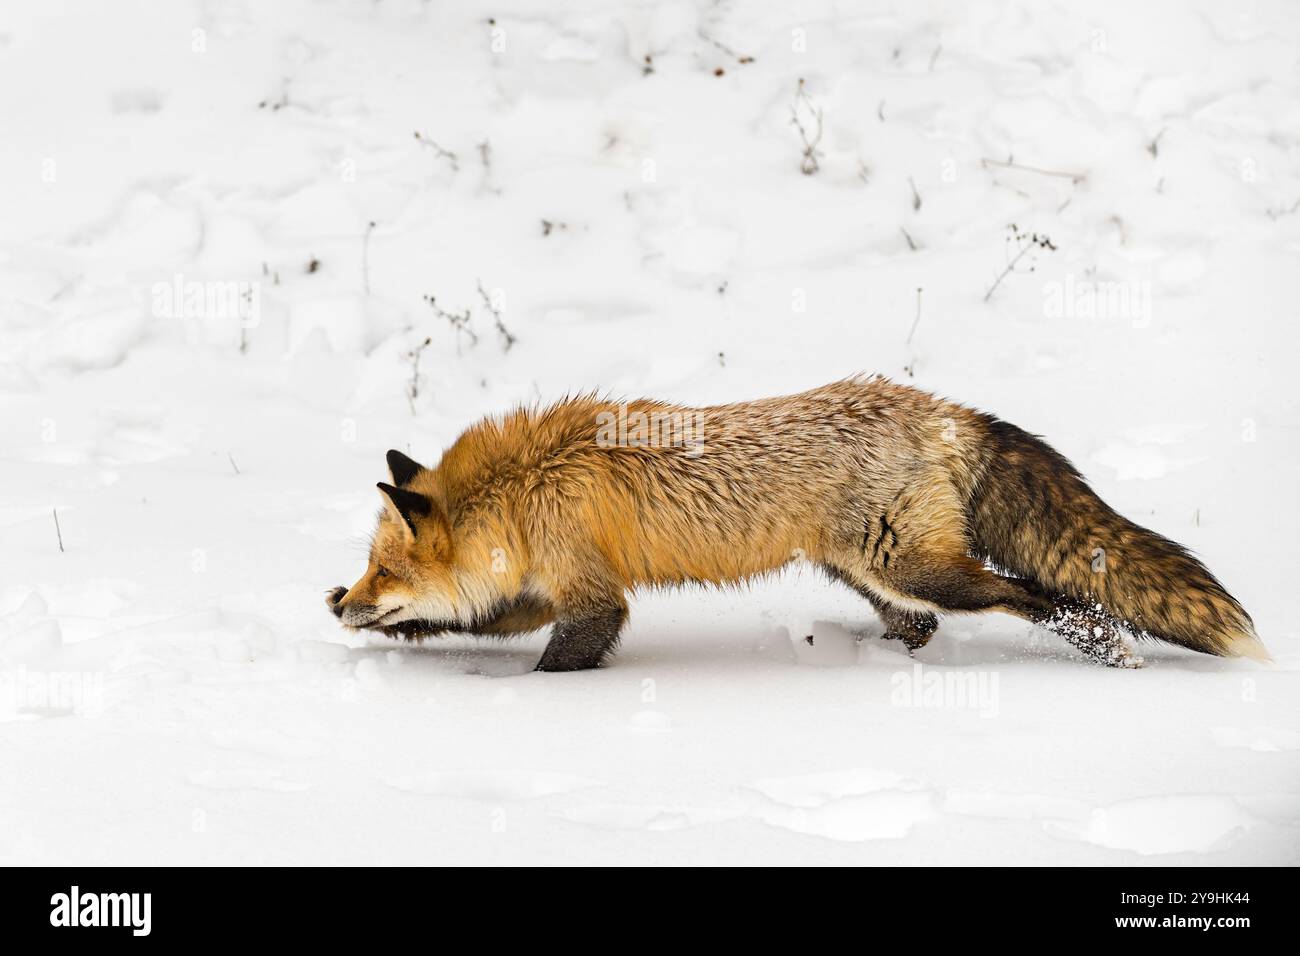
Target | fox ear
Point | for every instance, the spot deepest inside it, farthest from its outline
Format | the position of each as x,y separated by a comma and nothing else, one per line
405,506
402,469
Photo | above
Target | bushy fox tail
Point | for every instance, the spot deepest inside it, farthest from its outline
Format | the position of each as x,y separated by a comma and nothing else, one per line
1033,515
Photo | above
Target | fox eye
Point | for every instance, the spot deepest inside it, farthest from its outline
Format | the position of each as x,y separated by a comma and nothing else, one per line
381,573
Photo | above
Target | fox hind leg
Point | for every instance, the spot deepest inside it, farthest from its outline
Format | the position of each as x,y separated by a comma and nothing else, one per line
940,577
962,583
913,628
1092,630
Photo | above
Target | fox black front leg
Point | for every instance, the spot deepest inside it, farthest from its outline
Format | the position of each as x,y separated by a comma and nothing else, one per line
583,639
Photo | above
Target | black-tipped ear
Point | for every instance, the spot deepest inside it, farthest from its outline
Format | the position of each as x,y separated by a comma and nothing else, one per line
402,469
408,505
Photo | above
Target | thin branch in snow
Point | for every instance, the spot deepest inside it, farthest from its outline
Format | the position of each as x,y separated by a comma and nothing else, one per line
911,243
916,196
1153,147
57,530
439,152
738,57
1075,178
1025,243
1122,228
1280,211
231,458
916,321
485,160
507,338
365,256
458,320
808,165
413,390
935,56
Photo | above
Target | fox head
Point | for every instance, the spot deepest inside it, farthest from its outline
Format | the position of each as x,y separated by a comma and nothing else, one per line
409,576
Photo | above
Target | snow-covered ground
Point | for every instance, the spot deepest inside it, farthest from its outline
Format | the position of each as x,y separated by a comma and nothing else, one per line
625,184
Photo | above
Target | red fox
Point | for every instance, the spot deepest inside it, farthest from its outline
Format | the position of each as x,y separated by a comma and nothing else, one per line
924,507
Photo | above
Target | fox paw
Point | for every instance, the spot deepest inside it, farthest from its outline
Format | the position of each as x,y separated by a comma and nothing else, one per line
1128,659
913,640
1111,653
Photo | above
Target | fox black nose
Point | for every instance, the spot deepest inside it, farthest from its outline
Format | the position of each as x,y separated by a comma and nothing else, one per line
334,599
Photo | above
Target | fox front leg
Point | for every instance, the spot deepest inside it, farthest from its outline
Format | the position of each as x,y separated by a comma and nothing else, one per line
584,638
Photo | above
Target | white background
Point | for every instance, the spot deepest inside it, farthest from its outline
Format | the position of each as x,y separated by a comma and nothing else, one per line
207,497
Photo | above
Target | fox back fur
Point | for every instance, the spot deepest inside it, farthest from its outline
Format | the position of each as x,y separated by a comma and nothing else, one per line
552,516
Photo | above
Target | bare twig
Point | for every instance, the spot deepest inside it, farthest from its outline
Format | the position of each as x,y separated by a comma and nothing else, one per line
916,196
507,338
738,57
911,243
1025,243
459,321
1280,211
808,165
247,297
413,390
365,256
231,458
439,152
1073,177
916,321
57,530
1153,147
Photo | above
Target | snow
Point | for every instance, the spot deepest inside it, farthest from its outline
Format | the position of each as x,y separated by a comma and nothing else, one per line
172,689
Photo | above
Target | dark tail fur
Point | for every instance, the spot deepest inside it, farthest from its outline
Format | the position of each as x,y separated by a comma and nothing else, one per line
1033,515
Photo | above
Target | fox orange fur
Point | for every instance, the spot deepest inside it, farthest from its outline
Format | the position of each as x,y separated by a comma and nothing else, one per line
925,507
